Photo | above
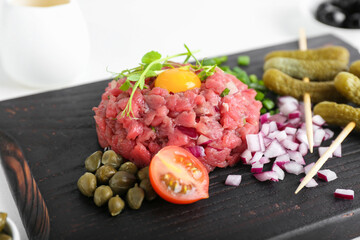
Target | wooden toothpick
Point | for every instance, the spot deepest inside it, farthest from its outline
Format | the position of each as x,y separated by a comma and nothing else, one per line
307,100
340,138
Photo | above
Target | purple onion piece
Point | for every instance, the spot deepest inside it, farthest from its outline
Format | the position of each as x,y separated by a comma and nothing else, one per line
191,132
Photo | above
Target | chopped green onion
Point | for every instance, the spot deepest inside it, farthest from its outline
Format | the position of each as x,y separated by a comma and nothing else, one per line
253,78
257,86
225,92
268,104
263,110
243,60
259,96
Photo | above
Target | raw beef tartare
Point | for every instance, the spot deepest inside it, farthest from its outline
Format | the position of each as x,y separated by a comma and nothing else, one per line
213,127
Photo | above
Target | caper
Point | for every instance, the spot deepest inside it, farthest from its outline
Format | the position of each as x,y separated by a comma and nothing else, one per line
116,205
104,173
87,184
4,236
129,167
150,193
135,197
121,182
3,217
102,195
92,162
143,173
111,158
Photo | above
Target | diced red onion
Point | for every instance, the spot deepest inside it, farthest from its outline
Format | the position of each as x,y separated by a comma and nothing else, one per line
293,167
296,156
281,160
265,129
279,171
268,175
281,136
308,167
337,152
203,140
272,127
264,160
273,134
291,145
318,137
232,87
256,157
286,99
295,121
295,114
191,132
197,151
233,180
303,149
274,149
328,134
288,107
344,193
253,142
257,167
261,142
301,136
322,150
311,183
318,120
246,156
326,175
267,141
290,130
278,118
264,118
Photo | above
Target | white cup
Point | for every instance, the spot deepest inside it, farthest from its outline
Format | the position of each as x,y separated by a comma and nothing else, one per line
44,47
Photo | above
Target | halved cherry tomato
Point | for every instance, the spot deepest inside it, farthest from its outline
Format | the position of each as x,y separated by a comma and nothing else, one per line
178,177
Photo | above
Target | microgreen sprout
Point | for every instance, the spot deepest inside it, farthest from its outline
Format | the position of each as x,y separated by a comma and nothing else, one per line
151,65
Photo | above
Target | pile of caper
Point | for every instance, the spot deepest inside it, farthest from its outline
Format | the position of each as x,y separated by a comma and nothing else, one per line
3,234
109,178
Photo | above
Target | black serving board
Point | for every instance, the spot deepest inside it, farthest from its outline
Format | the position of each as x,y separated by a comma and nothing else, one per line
52,133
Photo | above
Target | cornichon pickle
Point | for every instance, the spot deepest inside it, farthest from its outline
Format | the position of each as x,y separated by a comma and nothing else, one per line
338,114
283,84
355,68
349,86
317,64
324,53
323,70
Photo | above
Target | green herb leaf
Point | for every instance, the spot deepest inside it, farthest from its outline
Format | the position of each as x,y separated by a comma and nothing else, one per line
150,73
134,77
125,86
156,67
150,57
225,92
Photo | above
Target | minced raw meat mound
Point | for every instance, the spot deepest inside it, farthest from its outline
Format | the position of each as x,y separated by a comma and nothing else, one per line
163,118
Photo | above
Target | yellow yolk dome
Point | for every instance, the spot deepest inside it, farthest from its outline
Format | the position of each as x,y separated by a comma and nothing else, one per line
177,80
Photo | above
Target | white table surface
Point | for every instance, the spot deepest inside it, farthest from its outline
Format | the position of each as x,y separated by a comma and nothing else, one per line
122,31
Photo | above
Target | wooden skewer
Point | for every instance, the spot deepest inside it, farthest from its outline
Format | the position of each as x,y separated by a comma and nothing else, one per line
326,155
307,100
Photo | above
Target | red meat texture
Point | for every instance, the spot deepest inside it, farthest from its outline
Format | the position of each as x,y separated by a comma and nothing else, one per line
158,116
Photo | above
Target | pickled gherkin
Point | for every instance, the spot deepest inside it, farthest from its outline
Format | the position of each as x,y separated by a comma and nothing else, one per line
349,86
283,84
355,68
325,53
318,64
338,114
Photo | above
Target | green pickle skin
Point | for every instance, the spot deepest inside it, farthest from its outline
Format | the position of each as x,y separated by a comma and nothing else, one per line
317,64
355,68
285,85
349,86
338,114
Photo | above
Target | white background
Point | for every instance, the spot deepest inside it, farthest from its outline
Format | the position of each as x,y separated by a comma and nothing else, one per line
122,31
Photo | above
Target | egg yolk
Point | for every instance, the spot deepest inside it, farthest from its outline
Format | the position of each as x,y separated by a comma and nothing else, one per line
177,80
